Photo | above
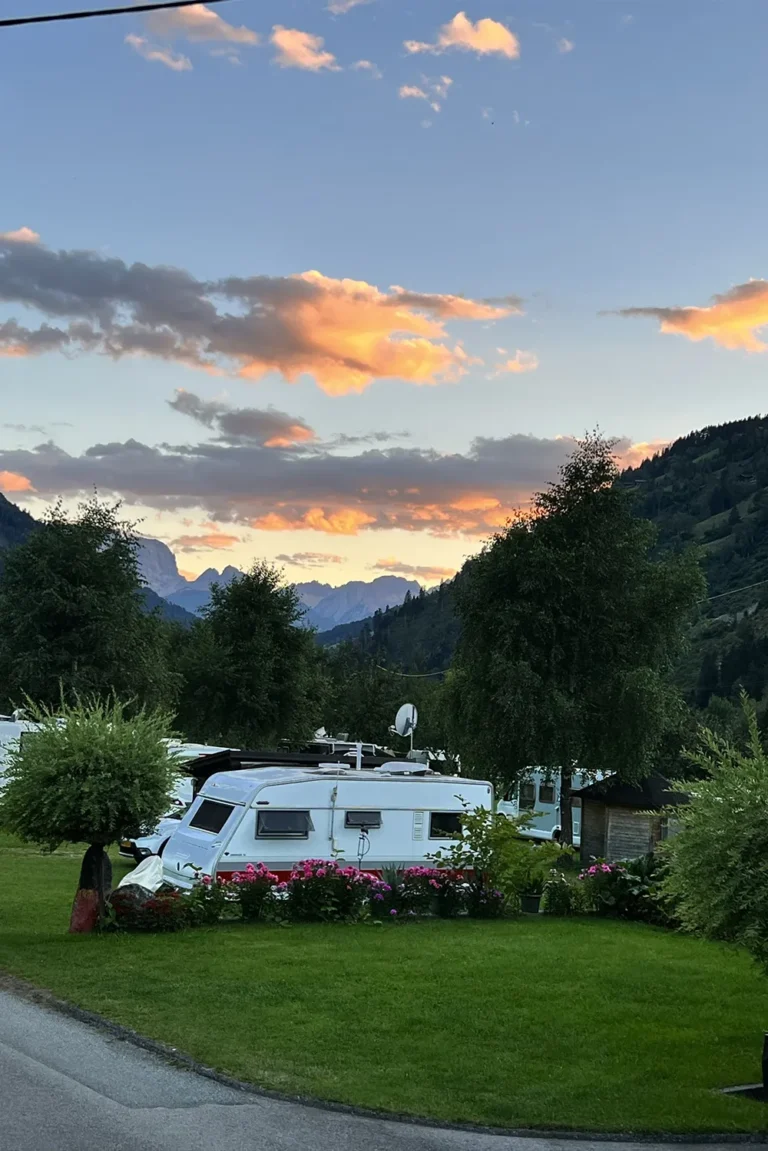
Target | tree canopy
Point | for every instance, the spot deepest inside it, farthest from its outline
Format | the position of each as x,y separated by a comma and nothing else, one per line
88,774
252,675
570,627
72,619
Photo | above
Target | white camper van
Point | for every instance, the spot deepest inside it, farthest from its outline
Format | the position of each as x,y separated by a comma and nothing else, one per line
12,727
539,795
398,814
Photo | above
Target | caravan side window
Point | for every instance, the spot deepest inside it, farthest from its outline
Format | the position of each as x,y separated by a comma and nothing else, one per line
527,796
366,819
283,825
211,815
546,793
444,824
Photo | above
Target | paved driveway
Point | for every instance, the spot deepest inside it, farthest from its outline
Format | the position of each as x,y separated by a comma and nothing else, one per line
65,1086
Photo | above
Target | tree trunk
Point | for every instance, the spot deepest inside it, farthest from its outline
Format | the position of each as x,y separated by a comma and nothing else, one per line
566,808
93,890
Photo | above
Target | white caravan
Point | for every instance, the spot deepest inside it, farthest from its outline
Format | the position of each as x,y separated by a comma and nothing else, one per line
538,795
395,815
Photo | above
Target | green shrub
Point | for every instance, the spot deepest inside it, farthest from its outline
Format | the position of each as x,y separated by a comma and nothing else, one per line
629,889
717,874
560,896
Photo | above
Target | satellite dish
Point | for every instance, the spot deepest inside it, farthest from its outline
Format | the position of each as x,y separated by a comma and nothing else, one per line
406,719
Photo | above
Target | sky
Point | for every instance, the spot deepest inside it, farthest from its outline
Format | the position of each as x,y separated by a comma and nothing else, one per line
336,284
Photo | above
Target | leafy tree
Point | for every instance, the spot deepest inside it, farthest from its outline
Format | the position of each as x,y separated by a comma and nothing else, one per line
716,876
72,618
569,630
88,774
252,675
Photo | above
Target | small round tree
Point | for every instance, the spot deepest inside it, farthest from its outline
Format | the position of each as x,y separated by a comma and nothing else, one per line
88,774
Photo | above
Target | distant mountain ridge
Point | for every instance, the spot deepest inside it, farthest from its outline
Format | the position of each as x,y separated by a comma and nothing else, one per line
327,606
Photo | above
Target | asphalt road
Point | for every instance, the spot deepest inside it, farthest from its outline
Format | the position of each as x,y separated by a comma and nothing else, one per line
65,1086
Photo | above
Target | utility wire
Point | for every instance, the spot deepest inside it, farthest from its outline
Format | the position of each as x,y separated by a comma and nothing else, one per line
14,21
410,675
746,587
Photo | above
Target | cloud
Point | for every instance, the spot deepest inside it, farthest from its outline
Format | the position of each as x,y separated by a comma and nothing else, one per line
344,333
13,482
211,540
632,455
418,571
268,427
341,7
297,49
368,66
21,236
433,90
733,320
198,24
564,46
446,494
173,60
520,362
486,38
310,559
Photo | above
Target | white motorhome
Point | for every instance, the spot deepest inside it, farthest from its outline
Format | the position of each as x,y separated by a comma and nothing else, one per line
397,814
12,727
538,795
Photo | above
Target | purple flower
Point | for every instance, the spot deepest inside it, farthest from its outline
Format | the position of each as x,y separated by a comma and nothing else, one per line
393,911
378,895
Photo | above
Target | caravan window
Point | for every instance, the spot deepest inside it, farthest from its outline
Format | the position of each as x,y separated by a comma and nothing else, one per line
444,824
527,796
546,793
367,819
283,824
211,815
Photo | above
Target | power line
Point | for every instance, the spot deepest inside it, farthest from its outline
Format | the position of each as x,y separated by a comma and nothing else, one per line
410,675
747,587
15,21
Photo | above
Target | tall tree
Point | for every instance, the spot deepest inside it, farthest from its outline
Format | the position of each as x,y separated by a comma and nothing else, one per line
252,674
569,630
72,617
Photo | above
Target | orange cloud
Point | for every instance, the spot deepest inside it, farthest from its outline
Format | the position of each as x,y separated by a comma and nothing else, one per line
633,455
733,320
211,540
427,573
341,522
297,49
294,434
350,333
173,60
198,24
432,90
486,38
21,236
13,482
520,362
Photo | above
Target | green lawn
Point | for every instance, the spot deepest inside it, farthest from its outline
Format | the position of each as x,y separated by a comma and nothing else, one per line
534,1022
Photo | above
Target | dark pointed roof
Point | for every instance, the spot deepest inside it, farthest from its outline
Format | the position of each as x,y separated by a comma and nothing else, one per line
651,794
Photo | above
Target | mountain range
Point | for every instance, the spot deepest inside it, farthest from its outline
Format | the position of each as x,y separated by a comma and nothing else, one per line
181,600
326,606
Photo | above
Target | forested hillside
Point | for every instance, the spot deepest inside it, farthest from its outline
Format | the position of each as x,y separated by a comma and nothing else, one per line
708,490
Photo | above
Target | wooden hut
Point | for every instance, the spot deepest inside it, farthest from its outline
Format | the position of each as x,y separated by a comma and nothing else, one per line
623,820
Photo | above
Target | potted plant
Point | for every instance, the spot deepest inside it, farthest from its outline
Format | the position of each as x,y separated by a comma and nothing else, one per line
530,899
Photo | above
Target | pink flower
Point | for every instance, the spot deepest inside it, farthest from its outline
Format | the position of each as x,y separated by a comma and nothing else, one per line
393,912
206,879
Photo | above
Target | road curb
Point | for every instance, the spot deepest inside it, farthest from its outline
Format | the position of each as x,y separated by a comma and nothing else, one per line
42,998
